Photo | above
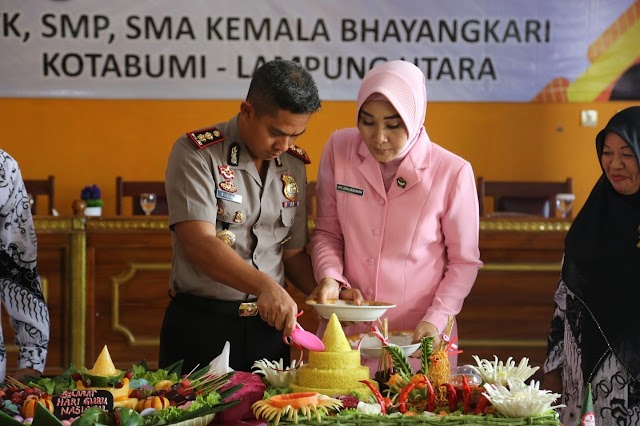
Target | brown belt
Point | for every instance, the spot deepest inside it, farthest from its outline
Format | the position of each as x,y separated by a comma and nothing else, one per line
243,309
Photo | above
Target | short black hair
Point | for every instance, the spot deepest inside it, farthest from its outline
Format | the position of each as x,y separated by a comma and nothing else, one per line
283,84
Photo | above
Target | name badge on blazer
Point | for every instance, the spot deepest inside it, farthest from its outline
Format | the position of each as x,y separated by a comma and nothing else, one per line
236,198
350,189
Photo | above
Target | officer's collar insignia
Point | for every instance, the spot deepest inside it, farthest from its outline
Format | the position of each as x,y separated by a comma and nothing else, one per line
234,152
205,137
300,154
278,161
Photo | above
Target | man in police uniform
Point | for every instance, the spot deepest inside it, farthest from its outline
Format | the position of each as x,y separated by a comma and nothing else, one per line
237,211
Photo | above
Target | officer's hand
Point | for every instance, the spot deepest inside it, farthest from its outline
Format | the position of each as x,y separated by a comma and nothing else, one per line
425,329
277,308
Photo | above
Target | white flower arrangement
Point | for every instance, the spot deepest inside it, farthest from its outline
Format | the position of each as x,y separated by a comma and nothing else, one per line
276,373
498,373
520,400
366,408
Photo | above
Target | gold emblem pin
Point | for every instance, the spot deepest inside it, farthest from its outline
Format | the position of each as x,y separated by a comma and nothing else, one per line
227,236
239,217
248,309
290,189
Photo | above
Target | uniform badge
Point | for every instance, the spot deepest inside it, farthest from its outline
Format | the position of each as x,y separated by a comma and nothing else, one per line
300,154
239,217
234,151
220,210
350,189
290,189
401,182
278,161
225,195
226,172
227,236
228,186
205,137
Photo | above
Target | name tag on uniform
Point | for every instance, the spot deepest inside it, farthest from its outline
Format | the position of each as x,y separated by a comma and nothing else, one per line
350,189
236,198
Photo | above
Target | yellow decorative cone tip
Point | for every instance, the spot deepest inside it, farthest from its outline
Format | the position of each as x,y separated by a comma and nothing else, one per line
334,338
104,364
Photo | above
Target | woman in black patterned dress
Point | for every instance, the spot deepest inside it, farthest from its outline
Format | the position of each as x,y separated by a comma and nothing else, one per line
20,288
595,333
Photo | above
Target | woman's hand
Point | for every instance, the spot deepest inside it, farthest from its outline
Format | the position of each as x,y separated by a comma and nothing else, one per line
328,288
425,329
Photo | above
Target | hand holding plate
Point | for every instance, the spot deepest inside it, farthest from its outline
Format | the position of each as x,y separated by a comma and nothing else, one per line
327,288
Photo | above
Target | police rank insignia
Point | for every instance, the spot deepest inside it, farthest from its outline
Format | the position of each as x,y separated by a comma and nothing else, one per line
228,186
234,151
226,172
300,154
205,137
290,189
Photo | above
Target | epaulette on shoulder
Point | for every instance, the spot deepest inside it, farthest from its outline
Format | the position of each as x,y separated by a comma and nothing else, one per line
206,137
299,153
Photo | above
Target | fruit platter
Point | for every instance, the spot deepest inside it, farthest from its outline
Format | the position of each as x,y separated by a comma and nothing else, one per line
331,388
106,395
488,393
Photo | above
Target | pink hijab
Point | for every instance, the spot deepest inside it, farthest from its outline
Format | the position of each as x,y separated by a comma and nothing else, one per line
403,84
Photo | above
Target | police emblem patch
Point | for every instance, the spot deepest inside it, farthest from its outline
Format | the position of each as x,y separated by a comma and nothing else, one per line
228,186
290,189
226,172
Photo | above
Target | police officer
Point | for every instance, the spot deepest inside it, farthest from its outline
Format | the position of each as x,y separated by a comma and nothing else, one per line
237,212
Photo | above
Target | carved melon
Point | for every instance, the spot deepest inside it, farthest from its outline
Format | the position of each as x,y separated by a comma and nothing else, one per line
103,373
104,365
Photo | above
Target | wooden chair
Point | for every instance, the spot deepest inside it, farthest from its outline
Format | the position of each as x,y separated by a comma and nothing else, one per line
535,198
311,204
133,189
41,187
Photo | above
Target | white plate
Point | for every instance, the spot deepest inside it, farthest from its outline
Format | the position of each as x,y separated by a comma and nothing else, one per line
345,310
371,346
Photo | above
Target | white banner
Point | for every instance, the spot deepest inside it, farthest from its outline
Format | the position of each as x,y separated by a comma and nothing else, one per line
469,50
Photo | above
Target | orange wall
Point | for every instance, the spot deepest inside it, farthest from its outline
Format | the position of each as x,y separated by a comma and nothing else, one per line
91,141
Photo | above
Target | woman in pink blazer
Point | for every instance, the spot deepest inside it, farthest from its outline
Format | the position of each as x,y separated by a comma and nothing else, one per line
397,216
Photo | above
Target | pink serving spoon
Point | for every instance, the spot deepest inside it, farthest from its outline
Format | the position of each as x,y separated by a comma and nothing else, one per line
303,338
